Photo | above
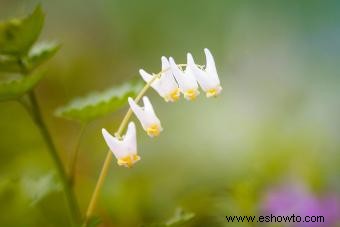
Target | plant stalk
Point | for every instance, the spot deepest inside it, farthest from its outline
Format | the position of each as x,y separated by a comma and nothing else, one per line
74,158
109,156
69,194
36,115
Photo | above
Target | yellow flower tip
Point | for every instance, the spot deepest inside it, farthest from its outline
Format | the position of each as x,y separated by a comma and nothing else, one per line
128,161
213,92
191,94
153,130
173,96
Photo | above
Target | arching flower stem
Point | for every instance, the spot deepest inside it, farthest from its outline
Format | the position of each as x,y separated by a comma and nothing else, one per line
106,165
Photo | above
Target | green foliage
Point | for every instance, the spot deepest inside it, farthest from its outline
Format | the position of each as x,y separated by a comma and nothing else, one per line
37,189
93,222
9,64
180,217
37,55
18,35
29,194
99,103
13,89
16,55
41,53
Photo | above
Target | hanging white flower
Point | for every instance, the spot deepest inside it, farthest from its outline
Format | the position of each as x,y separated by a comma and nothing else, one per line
186,80
147,117
166,85
125,148
208,78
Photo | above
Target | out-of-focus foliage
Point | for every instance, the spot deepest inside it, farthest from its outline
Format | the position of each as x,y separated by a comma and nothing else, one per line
15,88
16,55
18,35
180,217
39,188
93,222
99,104
276,120
9,64
40,53
37,55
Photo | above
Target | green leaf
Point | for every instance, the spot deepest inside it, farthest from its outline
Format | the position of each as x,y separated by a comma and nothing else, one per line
13,89
39,188
41,53
9,64
93,222
37,55
180,217
99,104
18,35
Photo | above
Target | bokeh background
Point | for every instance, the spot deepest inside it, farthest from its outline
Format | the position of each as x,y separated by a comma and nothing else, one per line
275,126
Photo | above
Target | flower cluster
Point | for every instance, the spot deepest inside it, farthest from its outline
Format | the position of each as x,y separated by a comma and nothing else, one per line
169,84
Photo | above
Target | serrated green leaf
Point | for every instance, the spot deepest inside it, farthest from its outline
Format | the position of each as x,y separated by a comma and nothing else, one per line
99,104
18,35
41,53
16,88
37,55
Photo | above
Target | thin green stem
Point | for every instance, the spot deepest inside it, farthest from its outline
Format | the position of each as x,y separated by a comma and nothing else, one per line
109,156
35,112
70,197
25,102
73,162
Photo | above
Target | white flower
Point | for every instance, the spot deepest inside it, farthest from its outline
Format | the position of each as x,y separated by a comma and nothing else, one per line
208,78
166,85
124,149
186,80
147,117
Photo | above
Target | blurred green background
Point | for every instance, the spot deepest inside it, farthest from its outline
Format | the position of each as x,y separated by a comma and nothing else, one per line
276,121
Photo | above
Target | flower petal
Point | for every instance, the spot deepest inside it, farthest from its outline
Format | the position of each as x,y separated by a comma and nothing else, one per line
148,77
186,80
113,143
199,74
148,106
165,85
130,139
179,76
146,115
167,81
136,108
210,65
144,118
150,115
